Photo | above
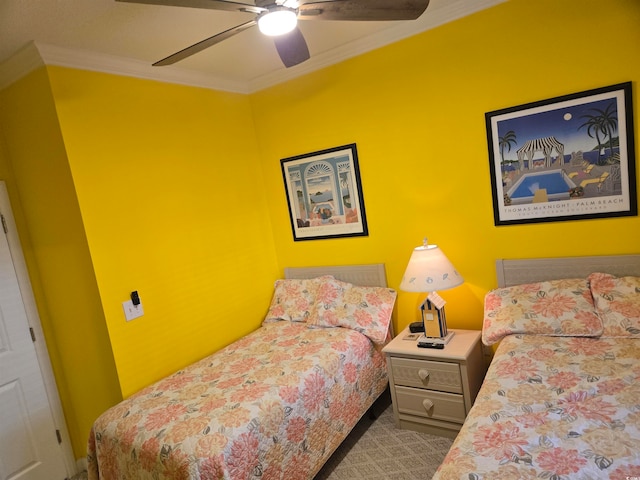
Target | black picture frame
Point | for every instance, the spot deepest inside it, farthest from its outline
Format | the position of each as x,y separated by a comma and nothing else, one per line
564,158
324,194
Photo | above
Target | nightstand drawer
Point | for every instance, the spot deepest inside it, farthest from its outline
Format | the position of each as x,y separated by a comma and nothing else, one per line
426,403
441,376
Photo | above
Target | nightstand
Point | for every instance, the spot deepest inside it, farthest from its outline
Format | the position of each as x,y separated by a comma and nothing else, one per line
432,390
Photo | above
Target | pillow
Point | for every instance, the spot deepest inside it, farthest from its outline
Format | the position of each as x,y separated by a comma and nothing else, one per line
562,308
293,299
364,309
617,302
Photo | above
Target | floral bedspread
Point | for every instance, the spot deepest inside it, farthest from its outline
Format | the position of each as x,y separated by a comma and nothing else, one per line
553,408
273,405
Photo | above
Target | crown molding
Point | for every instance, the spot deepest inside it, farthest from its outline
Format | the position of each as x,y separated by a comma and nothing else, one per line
97,62
24,61
36,55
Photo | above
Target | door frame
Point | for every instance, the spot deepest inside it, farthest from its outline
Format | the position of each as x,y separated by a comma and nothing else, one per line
33,318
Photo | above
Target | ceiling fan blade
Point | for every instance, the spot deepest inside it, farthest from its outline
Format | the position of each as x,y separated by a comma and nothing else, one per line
363,10
206,43
292,48
208,4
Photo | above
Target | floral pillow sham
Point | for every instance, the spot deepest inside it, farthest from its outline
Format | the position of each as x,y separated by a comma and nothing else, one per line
555,308
293,299
617,302
364,309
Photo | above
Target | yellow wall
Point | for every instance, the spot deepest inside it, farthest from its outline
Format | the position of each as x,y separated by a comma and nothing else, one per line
57,255
416,111
170,190
177,192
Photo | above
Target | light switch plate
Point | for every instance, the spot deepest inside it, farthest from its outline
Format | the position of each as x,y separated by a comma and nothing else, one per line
132,311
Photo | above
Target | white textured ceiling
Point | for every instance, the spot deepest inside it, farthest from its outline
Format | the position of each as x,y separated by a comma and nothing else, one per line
127,38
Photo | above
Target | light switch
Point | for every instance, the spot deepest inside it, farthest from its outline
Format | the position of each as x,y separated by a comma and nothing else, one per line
132,311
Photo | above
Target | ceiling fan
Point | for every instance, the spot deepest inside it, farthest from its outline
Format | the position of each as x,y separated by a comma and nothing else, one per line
288,39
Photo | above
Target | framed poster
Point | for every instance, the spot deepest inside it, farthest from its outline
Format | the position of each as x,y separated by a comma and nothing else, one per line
324,194
565,158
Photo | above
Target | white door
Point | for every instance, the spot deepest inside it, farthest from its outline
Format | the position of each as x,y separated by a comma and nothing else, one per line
29,438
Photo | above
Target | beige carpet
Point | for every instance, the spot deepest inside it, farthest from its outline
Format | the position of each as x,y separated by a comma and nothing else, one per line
377,450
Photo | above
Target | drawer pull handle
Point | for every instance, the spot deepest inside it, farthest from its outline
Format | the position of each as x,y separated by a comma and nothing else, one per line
427,404
423,374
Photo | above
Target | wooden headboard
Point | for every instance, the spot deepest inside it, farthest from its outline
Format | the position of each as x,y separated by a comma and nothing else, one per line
519,271
372,275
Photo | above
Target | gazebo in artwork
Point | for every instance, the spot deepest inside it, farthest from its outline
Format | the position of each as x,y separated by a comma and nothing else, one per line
545,145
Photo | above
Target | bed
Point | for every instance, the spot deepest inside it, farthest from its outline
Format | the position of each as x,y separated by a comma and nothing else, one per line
561,398
272,405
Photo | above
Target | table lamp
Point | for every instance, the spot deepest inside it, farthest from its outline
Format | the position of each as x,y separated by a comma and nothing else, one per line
428,271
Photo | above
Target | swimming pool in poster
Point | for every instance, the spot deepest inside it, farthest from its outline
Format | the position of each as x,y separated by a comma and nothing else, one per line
555,183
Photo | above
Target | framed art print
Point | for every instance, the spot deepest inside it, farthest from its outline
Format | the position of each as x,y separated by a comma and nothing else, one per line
324,194
565,158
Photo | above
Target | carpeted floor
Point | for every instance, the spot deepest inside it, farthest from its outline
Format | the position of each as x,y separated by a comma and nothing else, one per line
377,450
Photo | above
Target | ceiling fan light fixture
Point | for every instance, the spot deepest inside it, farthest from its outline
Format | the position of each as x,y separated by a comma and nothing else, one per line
277,21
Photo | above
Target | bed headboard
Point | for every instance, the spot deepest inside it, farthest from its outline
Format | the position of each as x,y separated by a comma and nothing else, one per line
372,275
519,271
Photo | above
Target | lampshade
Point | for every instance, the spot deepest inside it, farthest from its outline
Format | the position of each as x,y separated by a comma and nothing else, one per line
277,21
429,270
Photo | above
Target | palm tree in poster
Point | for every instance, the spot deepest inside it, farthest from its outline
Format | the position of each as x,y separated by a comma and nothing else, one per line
609,123
506,141
605,123
593,128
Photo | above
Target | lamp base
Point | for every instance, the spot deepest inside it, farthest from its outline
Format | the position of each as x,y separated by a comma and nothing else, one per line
423,340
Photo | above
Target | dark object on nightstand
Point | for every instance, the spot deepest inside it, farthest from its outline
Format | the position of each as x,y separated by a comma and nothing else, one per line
439,346
416,327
